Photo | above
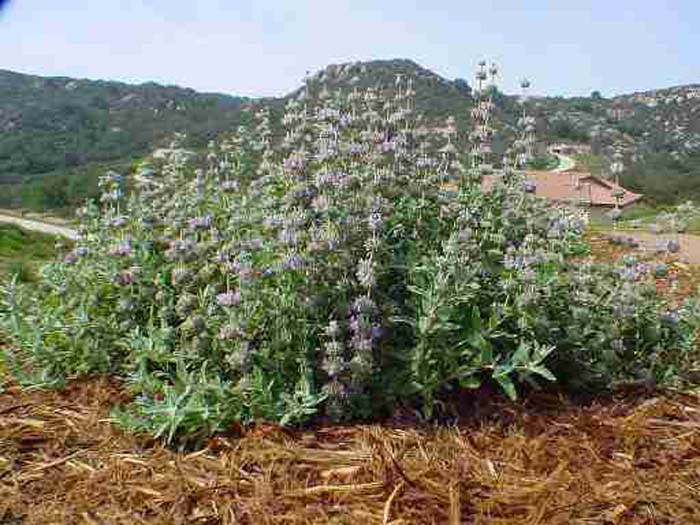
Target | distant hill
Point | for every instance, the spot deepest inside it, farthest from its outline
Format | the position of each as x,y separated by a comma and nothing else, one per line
657,131
436,96
56,134
67,127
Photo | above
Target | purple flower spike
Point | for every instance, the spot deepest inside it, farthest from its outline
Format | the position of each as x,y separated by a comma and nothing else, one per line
229,186
222,257
375,221
122,250
530,186
119,221
125,278
363,305
229,298
355,149
200,223
388,146
70,258
295,162
294,262
671,317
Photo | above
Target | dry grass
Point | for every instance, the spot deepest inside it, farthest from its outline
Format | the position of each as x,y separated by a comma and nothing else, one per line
543,461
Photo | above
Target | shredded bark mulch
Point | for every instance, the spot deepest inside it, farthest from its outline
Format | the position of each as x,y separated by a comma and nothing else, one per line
544,460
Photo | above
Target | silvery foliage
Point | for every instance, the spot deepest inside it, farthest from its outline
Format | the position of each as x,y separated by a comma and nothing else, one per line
339,268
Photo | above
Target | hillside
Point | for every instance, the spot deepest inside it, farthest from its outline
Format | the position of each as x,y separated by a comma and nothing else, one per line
57,134
436,96
68,128
657,131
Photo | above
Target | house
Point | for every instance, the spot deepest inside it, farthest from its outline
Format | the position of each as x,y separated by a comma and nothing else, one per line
577,188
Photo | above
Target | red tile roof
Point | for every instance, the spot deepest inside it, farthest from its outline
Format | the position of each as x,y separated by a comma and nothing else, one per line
573,187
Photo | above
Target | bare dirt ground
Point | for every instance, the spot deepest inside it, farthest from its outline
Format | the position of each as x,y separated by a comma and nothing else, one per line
683,279
689,243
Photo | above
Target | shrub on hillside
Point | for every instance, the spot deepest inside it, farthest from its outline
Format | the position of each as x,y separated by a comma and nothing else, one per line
361,267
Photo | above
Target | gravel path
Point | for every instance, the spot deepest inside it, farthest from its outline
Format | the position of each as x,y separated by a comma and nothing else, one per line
39,226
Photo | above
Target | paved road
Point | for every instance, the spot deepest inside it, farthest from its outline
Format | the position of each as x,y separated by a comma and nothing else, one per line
566,163
39,226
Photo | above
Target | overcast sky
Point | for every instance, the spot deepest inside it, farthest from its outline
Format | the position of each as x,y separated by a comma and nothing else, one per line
264,47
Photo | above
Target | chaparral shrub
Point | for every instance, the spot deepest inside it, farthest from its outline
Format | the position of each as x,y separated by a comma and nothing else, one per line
348,267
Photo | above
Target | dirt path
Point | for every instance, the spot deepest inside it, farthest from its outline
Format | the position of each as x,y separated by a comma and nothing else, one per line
39,226
690,244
